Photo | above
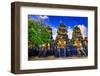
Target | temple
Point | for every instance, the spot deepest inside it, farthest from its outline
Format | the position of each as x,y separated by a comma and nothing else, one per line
77,34
62,32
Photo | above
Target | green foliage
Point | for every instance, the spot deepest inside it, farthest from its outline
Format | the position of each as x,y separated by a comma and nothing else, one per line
38,33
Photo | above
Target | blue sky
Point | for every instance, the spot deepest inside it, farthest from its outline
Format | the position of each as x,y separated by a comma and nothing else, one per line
69,21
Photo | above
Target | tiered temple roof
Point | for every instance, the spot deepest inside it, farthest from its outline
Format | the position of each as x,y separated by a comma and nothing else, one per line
77,34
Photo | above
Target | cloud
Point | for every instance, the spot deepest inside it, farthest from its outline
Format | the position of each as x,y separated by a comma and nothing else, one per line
43,17
84,30
70,31
54,32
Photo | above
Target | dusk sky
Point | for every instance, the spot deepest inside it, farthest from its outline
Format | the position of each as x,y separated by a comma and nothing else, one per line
69,21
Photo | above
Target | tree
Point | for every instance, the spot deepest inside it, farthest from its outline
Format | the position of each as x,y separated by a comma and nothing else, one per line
38,33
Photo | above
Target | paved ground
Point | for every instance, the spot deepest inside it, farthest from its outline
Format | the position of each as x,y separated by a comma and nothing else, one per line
52,58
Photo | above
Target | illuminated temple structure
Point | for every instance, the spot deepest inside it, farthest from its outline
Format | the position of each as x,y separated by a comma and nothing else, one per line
77,34
62,33
75,44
